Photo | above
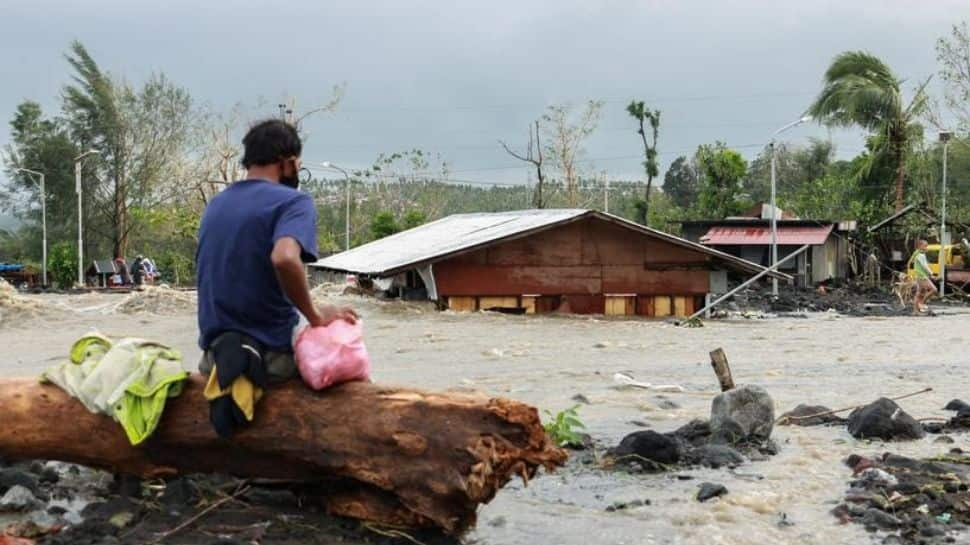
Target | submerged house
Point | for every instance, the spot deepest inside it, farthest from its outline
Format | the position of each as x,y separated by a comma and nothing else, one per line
749,237
540,261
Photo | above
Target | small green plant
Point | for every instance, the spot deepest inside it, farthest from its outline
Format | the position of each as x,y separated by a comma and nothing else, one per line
562,428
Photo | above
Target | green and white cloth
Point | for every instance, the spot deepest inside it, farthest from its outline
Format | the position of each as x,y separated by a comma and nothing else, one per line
129,380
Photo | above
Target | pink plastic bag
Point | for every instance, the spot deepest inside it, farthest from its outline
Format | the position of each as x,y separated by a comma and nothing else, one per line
332,354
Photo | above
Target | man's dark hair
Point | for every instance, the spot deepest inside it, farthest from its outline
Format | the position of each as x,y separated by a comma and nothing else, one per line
269,141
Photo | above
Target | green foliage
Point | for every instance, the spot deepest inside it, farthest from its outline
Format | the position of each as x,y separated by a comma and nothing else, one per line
722,170
414,218
682,182
383,224
62,264
860,90
563,426
953,54
642,114
795,165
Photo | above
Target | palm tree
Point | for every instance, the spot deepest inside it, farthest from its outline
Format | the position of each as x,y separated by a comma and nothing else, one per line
860,90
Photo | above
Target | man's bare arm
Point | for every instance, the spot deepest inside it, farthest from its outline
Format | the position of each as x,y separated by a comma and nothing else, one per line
292,278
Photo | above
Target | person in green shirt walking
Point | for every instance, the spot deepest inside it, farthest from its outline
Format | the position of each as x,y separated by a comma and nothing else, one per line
924,278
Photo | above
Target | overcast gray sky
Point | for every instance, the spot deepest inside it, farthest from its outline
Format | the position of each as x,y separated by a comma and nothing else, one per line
454,76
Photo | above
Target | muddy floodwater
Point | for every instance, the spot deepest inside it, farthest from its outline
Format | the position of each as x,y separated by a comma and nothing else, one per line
821,359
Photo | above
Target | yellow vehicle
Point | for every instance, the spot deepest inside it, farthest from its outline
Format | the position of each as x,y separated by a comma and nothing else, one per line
956,262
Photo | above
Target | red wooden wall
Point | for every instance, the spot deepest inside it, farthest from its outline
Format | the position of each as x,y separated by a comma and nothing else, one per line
591,257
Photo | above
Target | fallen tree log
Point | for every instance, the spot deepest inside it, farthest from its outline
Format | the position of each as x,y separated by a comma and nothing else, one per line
394,456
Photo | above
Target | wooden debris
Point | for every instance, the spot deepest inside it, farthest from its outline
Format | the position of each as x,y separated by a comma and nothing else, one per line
393,456
719,362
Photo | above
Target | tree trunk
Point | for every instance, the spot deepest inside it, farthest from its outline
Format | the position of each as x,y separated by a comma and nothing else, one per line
900,180
646,158
394,456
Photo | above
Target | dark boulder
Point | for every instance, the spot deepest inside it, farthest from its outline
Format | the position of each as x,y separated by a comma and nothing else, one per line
716,456
796,416
883,419
956,405
650,445
710,490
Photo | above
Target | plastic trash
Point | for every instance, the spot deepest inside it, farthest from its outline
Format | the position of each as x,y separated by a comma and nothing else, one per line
332,354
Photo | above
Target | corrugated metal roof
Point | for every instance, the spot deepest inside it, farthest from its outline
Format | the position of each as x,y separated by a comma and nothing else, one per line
464,232
442,237
758,236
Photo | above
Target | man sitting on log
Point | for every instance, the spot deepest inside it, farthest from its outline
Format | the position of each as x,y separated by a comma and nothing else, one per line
254,239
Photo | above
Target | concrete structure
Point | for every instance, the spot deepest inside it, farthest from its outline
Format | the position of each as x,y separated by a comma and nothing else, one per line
749,237
538,261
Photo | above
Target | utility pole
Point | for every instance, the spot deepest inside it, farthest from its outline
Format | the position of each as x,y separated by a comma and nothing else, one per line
80,221
606,192
774,204
945,138
328,164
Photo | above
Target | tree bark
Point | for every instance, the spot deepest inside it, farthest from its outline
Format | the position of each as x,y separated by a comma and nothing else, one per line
646,196
900,179
393,456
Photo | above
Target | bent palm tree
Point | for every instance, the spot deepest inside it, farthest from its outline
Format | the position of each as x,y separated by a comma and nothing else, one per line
860,90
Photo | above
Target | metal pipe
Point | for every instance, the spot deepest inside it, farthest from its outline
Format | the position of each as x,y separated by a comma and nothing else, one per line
943,242
774,220
747,282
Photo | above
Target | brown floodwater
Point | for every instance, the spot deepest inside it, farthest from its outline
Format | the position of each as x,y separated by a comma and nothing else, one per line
546,361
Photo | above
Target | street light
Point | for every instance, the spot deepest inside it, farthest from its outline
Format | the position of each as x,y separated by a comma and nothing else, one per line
80,225
774,206
328,164
43,216
945,138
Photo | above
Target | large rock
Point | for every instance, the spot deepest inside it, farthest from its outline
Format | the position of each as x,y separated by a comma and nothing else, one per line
745,414
651,445
883,419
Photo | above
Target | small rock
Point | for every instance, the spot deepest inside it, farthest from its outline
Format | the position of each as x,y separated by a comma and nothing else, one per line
710,490
717,456
668,405
651,445
784,521
933,529
580,398
747,409
770,448
795,417
49,475
17,477
883,419
603,344
879,477
18,498
877,519
946,439
695,432
121,519
497,522
179,493
956,405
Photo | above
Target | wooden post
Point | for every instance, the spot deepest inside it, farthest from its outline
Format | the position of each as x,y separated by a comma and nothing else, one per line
719,362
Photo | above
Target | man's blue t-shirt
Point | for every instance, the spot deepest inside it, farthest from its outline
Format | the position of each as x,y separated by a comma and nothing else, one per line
238,288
